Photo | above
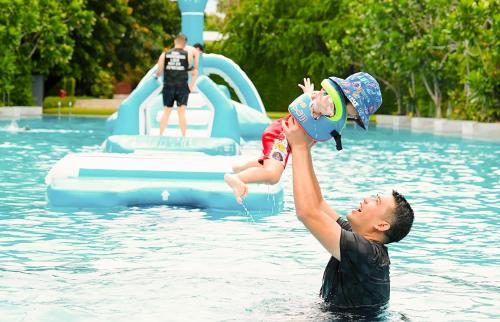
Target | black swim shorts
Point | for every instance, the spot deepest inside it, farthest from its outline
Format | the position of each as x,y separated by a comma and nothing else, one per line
175,93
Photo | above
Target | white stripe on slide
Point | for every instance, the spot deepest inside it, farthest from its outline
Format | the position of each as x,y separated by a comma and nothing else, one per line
176,132
193,117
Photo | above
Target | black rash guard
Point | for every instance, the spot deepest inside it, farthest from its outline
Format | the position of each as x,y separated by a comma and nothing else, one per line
176,67
361,278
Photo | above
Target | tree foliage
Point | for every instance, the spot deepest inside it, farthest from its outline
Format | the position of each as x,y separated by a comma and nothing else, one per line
127,38
35,36
93,41
432,57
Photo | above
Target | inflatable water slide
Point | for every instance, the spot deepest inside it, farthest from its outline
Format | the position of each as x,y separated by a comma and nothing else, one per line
139,167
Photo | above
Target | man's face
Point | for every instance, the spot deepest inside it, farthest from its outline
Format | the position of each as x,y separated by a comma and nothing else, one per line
373,213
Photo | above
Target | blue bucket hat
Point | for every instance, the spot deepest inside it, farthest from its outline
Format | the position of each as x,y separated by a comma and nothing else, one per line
364,93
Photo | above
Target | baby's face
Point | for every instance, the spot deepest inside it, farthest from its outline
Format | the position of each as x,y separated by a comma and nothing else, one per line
322,104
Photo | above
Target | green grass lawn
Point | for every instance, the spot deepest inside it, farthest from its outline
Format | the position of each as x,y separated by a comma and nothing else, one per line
276,115
80,111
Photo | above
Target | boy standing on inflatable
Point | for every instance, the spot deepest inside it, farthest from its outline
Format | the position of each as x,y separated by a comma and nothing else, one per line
321,114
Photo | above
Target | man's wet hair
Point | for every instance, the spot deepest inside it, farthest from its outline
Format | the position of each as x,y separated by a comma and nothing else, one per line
402,219
199,46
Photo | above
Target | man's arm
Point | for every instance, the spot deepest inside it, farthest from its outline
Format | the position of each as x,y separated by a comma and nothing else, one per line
194,76
310,207
161,64
193,52
329,210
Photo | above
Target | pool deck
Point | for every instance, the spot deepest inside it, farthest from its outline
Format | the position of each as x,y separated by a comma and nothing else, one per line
468,129
16,112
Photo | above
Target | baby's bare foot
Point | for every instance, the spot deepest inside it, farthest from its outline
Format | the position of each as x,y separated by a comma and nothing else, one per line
240,189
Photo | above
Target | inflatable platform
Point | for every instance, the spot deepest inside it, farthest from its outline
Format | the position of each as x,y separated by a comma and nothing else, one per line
113,179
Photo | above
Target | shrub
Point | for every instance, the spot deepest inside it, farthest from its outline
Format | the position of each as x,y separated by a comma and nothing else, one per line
52,101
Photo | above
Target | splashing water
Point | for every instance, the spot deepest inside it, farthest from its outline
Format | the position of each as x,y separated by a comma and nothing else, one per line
13,127
246,212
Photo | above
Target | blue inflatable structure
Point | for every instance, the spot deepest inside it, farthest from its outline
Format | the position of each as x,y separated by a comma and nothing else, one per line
187,179
139,167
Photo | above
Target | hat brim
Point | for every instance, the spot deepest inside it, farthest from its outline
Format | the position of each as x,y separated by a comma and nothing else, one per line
364,120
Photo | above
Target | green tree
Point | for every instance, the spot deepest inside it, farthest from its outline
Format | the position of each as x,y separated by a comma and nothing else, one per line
278,43
35,37
432,56
473,60
156,22
127,38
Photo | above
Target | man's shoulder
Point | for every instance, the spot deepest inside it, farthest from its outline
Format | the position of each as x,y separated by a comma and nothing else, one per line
361,249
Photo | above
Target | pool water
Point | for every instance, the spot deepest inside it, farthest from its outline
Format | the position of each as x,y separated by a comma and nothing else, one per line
176,264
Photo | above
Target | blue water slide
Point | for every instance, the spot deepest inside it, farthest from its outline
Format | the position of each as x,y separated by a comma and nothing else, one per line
235,77
127,118
225,123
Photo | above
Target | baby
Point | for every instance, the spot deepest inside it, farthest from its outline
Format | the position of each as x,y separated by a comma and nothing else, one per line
362,97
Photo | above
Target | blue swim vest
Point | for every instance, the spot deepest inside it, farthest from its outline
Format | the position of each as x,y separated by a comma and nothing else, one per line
325,127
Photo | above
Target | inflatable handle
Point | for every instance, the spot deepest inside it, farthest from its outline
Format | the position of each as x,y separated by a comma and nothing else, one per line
225,123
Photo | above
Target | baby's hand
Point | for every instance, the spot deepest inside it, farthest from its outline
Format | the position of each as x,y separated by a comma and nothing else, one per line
307,87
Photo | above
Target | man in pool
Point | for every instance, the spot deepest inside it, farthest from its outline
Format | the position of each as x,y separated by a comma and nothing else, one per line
357,275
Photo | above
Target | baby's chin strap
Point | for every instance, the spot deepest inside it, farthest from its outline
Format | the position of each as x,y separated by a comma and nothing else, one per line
336,137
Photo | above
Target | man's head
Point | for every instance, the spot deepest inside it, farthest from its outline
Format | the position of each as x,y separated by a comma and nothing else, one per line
180,40
387,218
199,47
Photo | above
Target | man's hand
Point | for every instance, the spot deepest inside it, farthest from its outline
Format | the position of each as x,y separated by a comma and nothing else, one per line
307,88
295,134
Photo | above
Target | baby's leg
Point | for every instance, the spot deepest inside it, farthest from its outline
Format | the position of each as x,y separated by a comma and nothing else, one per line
269,173
245,165
240,189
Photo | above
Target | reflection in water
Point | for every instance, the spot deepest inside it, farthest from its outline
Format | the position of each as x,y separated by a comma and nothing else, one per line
156,263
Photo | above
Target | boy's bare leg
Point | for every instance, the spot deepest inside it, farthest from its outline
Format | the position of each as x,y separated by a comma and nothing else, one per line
164,119
269,173
245,165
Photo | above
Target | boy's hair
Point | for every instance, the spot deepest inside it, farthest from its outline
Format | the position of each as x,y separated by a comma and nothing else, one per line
199,46
402,219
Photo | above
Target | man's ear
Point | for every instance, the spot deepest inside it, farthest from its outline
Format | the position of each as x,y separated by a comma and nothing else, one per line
382,226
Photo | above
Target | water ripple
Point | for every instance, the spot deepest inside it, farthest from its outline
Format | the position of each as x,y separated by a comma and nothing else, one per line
156,263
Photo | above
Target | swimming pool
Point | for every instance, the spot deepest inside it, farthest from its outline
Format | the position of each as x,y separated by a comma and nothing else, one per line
162,263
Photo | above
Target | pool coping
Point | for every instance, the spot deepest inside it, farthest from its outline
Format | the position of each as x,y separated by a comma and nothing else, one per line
467,129
15,112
